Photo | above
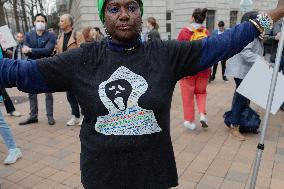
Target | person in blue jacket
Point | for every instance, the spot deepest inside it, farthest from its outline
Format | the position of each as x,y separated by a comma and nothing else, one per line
39,44
8,103
125,89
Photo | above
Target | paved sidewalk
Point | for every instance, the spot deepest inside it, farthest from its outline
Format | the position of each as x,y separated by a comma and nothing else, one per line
206,159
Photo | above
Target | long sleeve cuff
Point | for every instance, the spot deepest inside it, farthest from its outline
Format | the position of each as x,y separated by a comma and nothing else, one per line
22,74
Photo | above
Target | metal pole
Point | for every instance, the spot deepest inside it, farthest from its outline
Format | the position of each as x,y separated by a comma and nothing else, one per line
260,146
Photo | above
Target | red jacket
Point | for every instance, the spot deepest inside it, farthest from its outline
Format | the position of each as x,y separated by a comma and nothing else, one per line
185,35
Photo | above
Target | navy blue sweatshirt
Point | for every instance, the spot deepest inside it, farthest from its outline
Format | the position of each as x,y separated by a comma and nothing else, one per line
214,49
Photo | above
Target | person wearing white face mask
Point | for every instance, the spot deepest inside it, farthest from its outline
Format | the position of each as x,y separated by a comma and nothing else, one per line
39,44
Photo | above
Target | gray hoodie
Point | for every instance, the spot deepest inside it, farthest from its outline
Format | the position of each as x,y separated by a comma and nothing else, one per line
239,65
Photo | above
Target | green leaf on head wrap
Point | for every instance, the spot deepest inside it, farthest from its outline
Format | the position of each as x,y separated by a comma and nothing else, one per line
101,4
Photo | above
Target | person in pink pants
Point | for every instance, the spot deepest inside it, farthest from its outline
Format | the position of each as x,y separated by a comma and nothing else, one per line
194,86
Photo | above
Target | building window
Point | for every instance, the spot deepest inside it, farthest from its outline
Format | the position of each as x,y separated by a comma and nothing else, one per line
169,24
233,18
169,16
169,27
210,20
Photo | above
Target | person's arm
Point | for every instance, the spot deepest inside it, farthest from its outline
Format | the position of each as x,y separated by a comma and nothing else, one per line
47,50
226,45
188,58
233,41
40,76
22,74
27,41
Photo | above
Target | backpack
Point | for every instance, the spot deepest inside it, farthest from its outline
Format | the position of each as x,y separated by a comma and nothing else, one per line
249,122
198,33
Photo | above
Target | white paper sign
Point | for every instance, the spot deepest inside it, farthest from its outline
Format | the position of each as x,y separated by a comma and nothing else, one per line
6,38
256,86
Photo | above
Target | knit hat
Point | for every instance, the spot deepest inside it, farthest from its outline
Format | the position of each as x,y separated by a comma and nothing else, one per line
101,4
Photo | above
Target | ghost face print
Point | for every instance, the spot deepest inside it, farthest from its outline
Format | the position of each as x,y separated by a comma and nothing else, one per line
120,95
118,92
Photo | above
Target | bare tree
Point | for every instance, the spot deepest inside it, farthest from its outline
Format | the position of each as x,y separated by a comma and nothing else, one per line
36,6
40,4
24,15
30,8
24,10
2,13
15,9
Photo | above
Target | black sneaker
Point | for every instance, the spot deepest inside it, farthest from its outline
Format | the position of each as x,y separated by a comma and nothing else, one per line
211,79
282,107
29,121
51,121
225,78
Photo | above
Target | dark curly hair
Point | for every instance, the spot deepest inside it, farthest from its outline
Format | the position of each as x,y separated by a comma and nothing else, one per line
42,15
199,15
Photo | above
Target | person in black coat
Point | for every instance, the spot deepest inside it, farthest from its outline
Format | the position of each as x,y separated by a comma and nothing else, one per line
10,108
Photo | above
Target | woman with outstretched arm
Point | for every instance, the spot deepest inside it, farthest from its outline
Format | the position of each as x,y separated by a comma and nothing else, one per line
125,88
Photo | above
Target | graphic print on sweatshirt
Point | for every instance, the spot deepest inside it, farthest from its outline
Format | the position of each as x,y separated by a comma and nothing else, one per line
120,95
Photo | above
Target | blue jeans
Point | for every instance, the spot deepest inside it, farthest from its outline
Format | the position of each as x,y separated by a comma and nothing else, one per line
6,134
239,103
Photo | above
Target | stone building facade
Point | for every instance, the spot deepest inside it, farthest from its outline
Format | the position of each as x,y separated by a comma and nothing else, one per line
172,15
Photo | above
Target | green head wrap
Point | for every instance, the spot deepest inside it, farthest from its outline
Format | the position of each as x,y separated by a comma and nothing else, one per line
101,4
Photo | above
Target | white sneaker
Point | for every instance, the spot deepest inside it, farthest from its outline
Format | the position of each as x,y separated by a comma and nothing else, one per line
189,125
204,122
73,121
15,114
13,156
81,121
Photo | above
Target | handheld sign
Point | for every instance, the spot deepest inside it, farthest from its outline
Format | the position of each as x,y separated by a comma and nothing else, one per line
6,38
256,86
